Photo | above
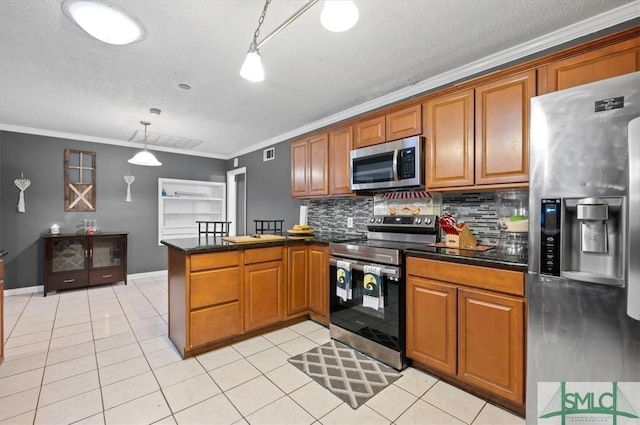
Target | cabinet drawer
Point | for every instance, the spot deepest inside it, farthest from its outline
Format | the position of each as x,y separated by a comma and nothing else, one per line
507,281
214,260
97,277
260,255
67,279
215,287
215,323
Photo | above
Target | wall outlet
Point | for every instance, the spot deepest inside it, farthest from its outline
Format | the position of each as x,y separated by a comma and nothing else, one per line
350,222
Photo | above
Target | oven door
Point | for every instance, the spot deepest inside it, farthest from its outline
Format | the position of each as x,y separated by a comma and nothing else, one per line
383,326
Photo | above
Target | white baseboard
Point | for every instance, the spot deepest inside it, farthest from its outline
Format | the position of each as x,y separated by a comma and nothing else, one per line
40,288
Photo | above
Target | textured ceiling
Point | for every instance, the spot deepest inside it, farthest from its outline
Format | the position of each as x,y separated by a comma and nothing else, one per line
56,80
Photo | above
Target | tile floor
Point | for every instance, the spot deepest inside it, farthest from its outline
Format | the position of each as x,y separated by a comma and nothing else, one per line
102,356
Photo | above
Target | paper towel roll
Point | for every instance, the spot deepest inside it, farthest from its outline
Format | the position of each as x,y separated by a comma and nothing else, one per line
303,215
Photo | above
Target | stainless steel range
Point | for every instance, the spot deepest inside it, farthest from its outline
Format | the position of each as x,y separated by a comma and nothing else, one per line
376,328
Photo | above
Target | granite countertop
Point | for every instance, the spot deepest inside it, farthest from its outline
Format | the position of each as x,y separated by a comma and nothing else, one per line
3,253
495,257
213,244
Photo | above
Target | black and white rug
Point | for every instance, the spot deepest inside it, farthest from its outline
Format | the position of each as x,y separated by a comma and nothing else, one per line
350,375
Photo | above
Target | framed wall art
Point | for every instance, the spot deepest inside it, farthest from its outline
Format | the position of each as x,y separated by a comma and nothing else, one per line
79,180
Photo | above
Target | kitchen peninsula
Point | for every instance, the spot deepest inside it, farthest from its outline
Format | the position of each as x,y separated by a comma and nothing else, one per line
222,292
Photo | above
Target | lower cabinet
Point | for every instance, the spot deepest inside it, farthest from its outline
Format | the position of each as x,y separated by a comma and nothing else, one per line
318,279
297,285
459,324
263,294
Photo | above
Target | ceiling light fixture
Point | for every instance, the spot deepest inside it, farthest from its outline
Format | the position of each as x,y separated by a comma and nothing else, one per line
104,21
145,157
336,16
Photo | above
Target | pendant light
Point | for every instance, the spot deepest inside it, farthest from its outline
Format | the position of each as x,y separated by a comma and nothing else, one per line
145,157
104,21
339,16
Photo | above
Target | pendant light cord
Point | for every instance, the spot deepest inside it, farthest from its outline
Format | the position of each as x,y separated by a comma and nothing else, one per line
254,43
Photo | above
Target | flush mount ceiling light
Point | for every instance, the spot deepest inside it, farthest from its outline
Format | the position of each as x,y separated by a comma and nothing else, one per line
336,16
145,157
104,21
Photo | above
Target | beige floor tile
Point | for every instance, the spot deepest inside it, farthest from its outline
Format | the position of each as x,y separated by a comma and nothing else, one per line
297,346
187,393
163,357
306,327
72,320
320,337
119,354
177,372
24,419
155,344
283,411
71,409
345,415
97,419
253,395
252,345
241,422
123,370
20,329
316,399
234,374
269,359
281,335
19,403
391,402
69,340
70,353
415,381
492,415
71,329
69,387
103,331
25,350
114,341
151,331
454,401
144,410
225,412
64,370
112,313
169,420
22,364
128,389
288,378
422,413
217,358
30,338
20,382
147,322
144,314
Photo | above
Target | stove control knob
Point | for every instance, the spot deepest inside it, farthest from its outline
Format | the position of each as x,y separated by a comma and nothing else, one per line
372,220
379,220
427,221
418,221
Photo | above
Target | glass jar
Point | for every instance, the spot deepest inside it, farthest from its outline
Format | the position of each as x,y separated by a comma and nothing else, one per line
513,211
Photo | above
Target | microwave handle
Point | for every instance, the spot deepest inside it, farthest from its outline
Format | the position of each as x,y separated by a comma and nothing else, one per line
395,165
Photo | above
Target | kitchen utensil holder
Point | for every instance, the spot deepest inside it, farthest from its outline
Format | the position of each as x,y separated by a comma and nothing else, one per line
464,238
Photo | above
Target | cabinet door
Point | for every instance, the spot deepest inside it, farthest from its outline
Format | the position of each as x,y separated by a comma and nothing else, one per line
68,254
502,129
404,123
318,161
370,132
491,343
340,145
431,323
263,294
297,288
318,279
106,251
299,168
606,62
449,126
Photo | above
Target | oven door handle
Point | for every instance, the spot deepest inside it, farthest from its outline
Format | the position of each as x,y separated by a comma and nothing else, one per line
385,270
395,165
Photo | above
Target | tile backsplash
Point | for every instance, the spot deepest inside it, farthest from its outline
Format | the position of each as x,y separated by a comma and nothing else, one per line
478,210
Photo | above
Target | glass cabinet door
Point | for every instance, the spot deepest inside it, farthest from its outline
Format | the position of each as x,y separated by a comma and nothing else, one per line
106,252
68,255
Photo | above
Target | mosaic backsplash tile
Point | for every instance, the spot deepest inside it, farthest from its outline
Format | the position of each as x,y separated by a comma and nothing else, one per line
330,215
479,211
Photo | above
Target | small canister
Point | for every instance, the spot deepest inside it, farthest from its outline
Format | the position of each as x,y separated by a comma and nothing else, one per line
55,229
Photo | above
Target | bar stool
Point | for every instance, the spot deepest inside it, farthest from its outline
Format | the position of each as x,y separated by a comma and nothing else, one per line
215,228
273,227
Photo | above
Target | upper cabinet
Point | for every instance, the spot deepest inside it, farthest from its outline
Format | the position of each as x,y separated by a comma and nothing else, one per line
600,64
480,136
310,166
402,123
340,145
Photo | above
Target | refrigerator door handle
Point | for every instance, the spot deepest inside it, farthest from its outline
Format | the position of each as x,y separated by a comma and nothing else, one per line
633,257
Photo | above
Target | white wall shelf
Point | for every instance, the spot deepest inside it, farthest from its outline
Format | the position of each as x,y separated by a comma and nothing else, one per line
186,201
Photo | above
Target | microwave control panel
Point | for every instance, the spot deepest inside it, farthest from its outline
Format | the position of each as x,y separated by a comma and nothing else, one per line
407,163
550,237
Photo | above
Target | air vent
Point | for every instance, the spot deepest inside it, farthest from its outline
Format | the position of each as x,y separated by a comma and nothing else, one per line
164,140
268,154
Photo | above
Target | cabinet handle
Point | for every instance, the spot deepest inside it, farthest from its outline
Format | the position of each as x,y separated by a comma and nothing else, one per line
104,276
69,280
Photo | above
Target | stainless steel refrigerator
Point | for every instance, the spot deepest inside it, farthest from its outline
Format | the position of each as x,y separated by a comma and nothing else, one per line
583,285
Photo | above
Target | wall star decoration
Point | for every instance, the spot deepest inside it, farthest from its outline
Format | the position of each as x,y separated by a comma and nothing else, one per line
22,184
129,179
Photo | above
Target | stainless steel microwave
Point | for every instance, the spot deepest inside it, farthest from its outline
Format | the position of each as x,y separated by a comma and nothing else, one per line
393,165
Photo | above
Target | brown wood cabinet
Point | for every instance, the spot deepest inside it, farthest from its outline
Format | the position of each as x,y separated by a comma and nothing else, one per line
318,278
600,64
74,261
310,166
263,287
297,284
340,145
398,124
299,168
1,309
468,322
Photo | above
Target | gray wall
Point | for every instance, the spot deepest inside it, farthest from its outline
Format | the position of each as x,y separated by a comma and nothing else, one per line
268,186
41,160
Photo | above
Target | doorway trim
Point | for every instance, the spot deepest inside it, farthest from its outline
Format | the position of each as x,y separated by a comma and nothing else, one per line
232,195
